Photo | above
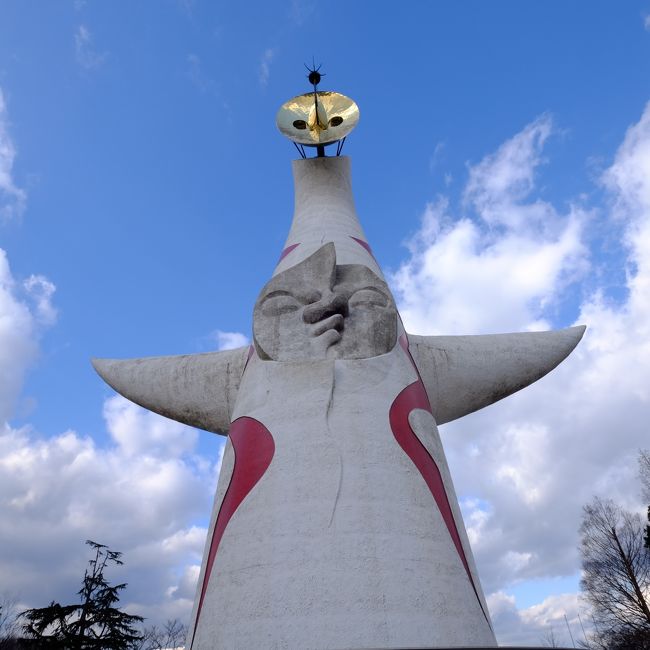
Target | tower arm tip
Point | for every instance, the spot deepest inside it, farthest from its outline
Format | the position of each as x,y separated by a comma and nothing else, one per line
463,374
196,389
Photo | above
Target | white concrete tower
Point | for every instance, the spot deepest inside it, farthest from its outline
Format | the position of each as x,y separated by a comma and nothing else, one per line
335,522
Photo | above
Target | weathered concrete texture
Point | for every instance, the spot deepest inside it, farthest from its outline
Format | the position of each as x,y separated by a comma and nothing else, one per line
318,309
324,212
465,373
196,389
340,544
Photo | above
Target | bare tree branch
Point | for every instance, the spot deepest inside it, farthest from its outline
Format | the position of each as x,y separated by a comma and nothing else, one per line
615,573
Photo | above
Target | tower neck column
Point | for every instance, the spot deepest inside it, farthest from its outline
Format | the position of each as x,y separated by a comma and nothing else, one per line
324,212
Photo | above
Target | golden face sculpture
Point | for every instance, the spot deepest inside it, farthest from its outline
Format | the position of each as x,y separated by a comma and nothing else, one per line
318,118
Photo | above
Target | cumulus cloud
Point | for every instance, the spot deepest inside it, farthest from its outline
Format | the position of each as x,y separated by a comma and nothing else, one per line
40,291
85,51
163,438
524,467
503,263
140,494
229,340
499,186
12,198
561,618
25,309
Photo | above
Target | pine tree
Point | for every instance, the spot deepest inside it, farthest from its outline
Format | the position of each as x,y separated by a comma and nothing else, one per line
92,624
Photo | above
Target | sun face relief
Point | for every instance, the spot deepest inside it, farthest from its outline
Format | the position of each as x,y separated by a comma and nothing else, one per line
321,310
317,118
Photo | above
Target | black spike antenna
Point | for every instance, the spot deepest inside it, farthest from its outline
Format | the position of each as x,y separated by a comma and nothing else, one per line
314,75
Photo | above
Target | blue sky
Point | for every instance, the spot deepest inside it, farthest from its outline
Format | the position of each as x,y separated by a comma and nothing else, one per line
500,169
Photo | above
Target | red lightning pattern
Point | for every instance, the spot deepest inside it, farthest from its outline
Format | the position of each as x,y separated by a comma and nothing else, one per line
287,250
254,449
365,245
413,397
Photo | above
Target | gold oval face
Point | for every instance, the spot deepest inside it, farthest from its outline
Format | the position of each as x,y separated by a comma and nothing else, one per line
319,119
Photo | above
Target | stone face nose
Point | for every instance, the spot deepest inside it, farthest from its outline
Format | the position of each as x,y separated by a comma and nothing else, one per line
330,304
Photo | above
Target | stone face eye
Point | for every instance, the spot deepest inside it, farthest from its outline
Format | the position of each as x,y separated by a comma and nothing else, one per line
336,121
368,297
279,303
300,124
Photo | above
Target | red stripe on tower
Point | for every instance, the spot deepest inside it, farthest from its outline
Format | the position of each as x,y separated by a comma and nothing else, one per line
287,250
254,448
413,397
364,244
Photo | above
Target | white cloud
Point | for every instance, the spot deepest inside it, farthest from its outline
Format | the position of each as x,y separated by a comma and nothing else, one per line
40,291
499,184
502,266
21,324
57,492
222,340
229,340
12,198
265,66
86,54
646,22
535,625
527,465
142,433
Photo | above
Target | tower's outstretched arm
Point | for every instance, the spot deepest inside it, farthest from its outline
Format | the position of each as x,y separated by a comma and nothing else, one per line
462,374
195,389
